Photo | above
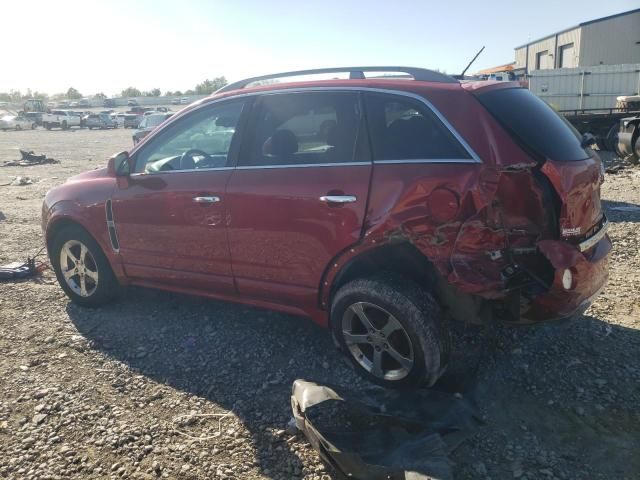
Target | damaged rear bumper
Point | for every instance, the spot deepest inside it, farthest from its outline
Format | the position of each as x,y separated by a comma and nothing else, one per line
580,274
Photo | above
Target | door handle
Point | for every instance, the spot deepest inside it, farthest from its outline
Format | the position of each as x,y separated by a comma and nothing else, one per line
212,199
338,198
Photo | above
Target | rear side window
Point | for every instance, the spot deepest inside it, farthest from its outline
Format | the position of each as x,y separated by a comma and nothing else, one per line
304,129
534,124
405,129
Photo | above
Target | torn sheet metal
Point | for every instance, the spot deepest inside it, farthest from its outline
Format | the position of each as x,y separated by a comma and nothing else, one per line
377,434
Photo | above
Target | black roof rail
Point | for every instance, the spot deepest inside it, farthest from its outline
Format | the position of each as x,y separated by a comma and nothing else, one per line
355,73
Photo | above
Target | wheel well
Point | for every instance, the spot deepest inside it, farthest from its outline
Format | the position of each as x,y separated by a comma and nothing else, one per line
57,226
401,258
406,260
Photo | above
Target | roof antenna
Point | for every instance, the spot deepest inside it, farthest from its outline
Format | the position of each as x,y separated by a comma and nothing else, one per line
461,76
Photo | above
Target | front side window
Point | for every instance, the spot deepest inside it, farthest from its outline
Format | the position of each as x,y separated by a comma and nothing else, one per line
202,139
304,129
405,129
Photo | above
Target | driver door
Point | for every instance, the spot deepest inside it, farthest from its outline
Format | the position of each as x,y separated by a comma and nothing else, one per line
170,213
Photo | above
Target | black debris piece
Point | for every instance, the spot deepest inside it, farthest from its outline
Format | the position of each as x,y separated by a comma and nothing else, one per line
19,270
16,270
30,158
379,434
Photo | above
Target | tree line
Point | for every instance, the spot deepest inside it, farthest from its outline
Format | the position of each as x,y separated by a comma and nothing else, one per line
206,87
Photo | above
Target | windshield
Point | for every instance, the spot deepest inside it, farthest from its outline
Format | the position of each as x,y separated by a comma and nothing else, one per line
534,124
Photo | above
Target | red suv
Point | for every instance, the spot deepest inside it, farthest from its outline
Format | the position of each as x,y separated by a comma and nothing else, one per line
381,206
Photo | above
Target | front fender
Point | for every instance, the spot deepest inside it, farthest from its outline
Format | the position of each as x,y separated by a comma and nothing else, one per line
83,203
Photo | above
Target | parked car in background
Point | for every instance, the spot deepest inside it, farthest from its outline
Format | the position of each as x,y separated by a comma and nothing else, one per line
99,120
175,101
132,102
73,104
34,117
383,208
17,122
148,123
119,118
84,102
63,119
140,110
184,101
109,103
131,120
62,104
4,104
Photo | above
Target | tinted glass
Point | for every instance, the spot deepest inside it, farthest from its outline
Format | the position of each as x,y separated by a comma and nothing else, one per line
207,133
304,128
405,129
534,124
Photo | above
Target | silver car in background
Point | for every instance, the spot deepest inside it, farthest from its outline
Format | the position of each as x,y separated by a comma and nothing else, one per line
17,122
99,120
148,123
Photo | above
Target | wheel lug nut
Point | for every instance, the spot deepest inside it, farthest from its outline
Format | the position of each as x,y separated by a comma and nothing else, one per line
369,339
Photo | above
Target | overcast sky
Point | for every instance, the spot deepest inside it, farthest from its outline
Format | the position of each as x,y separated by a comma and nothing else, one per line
173,45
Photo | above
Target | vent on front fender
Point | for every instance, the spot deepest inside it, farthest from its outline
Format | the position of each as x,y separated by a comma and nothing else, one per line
111,227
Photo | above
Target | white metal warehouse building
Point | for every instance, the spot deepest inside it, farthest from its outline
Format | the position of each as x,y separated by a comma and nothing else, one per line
609,40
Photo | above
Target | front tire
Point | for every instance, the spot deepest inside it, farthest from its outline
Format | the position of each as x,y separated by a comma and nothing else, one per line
81,267
391,330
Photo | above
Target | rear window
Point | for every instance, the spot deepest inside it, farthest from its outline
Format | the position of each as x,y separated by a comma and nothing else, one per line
534,124
404,129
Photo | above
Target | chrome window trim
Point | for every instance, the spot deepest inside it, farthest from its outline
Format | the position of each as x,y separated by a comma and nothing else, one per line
303,165
474,156
425,160
192,170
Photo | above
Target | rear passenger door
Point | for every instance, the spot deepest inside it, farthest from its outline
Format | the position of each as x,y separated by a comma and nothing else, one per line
298,195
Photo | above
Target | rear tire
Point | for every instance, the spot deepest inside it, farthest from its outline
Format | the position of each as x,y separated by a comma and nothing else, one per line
611,142
391,330
636,150
81,267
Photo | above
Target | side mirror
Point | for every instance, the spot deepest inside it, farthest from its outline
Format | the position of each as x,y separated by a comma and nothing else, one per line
587,140
119,165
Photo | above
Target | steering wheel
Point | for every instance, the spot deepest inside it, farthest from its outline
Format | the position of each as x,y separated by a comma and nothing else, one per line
186,159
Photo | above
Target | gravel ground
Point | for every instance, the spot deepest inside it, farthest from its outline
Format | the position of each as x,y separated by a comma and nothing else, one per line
171,386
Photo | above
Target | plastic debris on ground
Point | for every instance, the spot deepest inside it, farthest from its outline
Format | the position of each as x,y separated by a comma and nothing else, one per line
377,434
20,181
20,270
28,159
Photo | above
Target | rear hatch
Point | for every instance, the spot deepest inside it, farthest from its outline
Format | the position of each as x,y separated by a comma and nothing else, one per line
574,172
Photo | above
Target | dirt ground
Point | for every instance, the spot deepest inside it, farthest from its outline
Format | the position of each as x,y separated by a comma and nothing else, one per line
171,386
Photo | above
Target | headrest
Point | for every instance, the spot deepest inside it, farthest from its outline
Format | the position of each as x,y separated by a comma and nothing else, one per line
281,143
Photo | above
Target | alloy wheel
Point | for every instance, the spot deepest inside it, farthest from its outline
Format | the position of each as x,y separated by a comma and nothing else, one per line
79,268
377,341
